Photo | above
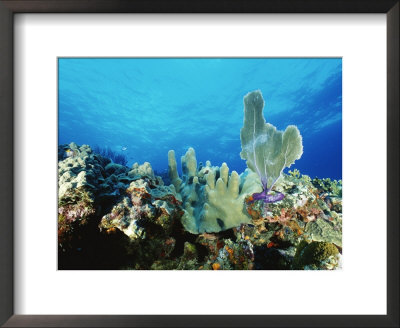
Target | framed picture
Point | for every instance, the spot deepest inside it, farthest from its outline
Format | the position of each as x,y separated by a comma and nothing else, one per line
269,109
127,203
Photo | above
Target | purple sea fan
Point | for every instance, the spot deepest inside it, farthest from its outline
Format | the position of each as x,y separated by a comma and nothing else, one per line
267,151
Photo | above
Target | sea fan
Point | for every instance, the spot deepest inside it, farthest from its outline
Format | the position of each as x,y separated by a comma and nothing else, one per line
267,151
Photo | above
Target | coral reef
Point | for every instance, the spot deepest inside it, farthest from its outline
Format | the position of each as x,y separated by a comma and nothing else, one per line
148,216
104,205
212,198
114,217
226,252
80,176
107,152
305,215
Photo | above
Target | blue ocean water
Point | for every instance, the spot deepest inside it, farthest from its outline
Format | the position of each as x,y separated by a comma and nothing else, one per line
142,108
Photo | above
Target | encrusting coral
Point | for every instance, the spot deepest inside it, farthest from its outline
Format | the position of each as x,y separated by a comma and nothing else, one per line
212,198
316,256
146,206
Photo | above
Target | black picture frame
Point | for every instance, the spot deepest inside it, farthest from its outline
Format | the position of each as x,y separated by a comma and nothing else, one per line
10,7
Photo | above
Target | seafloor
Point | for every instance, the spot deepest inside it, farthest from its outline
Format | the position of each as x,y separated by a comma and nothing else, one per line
114,217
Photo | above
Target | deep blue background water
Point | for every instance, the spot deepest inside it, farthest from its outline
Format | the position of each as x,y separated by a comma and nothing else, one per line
153,105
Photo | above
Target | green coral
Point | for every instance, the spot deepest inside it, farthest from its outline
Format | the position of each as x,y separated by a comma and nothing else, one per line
321,230
295,173
316,255
332,187
75,196
164,265
188,261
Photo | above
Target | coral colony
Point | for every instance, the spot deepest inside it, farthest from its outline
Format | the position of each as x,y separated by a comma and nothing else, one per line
115,217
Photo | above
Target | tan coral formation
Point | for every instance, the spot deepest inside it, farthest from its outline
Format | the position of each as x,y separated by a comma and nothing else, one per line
213,199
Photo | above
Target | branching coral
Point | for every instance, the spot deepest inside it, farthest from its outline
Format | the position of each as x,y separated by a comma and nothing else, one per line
212,199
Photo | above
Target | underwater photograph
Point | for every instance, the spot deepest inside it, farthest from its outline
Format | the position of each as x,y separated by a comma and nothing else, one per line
199,163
